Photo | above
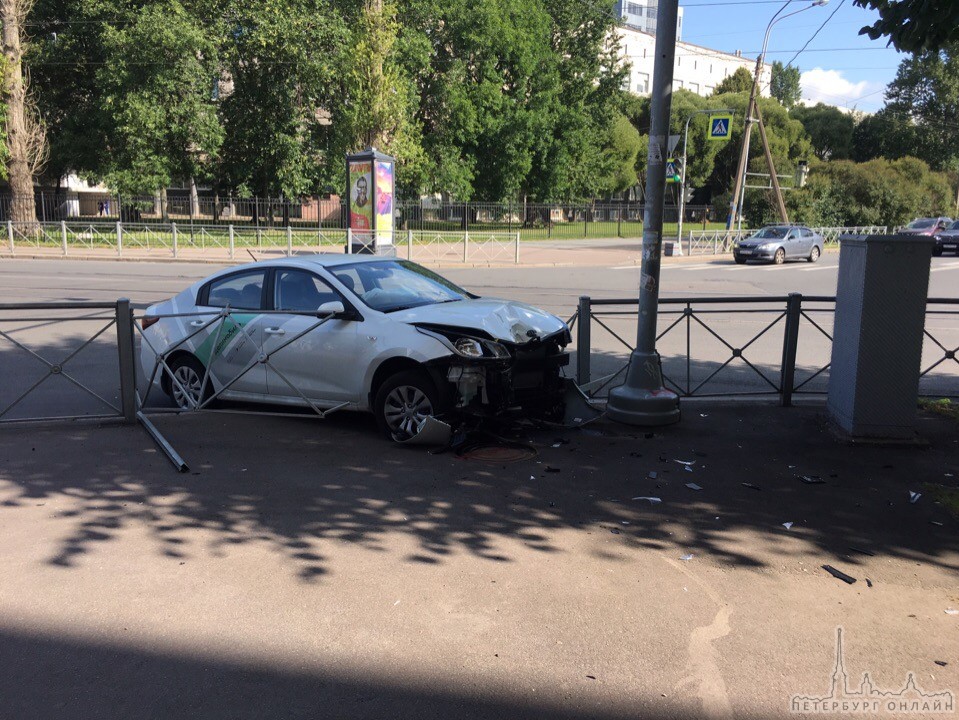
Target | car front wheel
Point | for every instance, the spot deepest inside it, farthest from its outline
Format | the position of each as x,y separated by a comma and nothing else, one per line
937,251
186,391
404,402
739,260
780,257
813,254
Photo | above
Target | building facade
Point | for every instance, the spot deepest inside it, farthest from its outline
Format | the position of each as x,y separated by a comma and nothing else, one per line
641,14
698,69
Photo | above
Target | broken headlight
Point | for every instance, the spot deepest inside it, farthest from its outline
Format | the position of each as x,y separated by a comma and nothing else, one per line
466,346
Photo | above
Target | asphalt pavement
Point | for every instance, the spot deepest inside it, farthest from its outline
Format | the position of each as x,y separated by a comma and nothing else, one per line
309,569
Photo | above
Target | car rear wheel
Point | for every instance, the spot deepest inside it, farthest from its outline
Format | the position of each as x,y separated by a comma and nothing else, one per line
186,391
739,260
404,402
780,257
813,254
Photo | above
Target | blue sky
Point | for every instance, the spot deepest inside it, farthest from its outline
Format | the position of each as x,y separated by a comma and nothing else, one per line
840,67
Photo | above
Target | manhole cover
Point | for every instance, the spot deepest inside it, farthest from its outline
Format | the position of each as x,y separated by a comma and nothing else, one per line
498,453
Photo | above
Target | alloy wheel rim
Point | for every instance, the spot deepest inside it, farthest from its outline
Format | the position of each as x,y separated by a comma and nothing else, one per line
406,409
191,381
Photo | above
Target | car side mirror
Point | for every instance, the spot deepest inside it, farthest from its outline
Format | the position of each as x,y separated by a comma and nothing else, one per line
333,309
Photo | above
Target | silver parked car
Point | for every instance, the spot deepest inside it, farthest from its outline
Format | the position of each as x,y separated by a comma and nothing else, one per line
779,243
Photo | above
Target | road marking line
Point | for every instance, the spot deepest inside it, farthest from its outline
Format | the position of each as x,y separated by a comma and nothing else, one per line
821,267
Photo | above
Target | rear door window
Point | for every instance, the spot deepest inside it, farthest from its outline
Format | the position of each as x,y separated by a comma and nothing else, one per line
301,291
242,291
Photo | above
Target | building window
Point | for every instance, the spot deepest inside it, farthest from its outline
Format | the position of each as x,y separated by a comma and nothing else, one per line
643,85
710,89
677,84
694,87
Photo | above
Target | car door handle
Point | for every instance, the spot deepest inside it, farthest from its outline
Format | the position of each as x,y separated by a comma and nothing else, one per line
275,331
198,323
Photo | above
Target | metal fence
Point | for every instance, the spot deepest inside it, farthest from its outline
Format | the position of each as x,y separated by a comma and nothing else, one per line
171,240
718,242
534,221
66,360
752,346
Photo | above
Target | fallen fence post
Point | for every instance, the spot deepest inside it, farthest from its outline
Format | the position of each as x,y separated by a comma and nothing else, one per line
125,350
584,320
787,375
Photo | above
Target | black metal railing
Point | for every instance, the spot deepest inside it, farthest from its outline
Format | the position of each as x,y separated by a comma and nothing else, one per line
569,220
796,330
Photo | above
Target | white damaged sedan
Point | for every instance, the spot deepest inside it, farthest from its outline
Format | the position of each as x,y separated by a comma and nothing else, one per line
359,333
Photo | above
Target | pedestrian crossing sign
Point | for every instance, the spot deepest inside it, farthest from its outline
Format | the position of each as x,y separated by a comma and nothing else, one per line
720,126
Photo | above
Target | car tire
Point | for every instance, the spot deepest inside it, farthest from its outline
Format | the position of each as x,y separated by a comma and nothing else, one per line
780,257
813,254
190,373
404,401
739,260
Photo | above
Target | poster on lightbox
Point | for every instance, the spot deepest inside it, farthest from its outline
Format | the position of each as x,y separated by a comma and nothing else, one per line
384,203
361,201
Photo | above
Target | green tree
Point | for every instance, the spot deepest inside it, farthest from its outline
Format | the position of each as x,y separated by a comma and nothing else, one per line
914,25
925,96
830,130
739,81
280,80
784,84
157,96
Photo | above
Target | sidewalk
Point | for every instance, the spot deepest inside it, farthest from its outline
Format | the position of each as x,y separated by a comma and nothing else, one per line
307,569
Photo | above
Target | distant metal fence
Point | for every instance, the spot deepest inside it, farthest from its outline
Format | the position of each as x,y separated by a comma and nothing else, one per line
559,220
718,242
751,346
192,242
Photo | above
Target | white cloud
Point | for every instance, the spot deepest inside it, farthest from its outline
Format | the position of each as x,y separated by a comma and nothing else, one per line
830,87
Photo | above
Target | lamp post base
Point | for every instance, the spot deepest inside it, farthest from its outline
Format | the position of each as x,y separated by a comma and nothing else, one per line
642,399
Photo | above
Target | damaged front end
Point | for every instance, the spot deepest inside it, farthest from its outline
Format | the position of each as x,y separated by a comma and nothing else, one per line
486,377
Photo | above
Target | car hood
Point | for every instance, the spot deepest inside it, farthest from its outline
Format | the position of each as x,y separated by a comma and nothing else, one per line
916,231
507,320
951,234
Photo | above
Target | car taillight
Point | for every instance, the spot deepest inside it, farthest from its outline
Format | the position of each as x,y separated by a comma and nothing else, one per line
148,320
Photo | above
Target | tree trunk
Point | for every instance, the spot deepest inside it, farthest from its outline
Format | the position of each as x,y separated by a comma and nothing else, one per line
194,199
23,204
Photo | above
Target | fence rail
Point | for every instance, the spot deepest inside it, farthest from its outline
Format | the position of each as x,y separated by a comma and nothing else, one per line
145,240
727,346
718,242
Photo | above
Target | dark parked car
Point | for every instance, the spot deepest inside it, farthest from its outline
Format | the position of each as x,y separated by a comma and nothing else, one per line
779,243
947,239
926,226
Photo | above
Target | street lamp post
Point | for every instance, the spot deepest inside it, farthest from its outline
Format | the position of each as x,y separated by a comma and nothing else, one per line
682,172
735,202
642,399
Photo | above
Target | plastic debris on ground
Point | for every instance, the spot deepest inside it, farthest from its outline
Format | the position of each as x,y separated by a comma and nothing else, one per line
693,486
940,663
687,556
652,500
811,479
787,525
687,463
751,486
848,579
868,582
952,611
861,551
652,475
615,531
913,496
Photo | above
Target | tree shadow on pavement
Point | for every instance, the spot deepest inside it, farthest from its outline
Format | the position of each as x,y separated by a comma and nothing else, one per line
304,487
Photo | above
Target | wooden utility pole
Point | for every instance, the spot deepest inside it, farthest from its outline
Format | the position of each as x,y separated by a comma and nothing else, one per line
21,138
753,107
